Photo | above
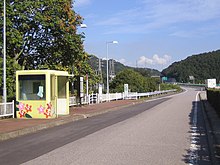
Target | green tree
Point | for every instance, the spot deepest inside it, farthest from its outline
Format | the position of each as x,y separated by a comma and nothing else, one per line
135,81
202,66
43,34
165,86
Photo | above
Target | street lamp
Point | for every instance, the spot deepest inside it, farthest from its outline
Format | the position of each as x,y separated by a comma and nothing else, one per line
80,79
4,58
83,25
107,81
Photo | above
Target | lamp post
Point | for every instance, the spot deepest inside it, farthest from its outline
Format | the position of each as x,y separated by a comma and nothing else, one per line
72,84
4,58
107,81
83,25
80,79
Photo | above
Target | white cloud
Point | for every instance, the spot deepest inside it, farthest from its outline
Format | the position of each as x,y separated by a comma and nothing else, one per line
160,14
122,60
161,60
155,60
145,61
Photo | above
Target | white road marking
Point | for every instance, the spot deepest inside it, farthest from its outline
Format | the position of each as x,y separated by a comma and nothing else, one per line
166,96
194,146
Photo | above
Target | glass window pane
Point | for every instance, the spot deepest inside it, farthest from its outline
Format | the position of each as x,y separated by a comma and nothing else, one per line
32,87
62,87
52,86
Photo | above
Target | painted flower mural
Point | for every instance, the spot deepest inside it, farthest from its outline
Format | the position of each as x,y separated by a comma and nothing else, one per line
41,109
24,110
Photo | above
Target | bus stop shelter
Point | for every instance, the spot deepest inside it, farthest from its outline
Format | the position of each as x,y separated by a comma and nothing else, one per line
42,93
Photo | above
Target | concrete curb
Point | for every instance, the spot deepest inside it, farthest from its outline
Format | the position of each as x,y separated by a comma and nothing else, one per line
212,122
24,131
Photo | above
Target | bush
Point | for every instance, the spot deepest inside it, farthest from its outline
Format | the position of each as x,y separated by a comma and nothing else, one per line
213,96
136,82
166,86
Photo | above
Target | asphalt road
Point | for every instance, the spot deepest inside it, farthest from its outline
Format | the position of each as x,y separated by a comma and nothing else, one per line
163,131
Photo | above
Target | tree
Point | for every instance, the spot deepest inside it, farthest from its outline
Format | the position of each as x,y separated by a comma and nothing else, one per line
43,34
202,66
135,81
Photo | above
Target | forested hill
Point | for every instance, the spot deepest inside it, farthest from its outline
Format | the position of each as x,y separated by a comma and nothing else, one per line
201,66
147,72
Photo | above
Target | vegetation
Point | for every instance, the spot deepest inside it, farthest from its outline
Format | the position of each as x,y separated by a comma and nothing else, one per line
146,72
136,82
202,66
43,35
213,96
139,79
166,86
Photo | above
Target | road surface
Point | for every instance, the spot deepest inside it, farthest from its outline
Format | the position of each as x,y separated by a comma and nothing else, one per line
163,131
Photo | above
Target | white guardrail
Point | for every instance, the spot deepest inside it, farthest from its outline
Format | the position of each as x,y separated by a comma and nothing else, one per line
96,98
91,99
9,111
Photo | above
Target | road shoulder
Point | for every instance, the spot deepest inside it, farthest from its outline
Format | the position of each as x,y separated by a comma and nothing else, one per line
213,126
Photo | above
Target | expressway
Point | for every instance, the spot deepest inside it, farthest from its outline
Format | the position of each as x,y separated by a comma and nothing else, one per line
168,130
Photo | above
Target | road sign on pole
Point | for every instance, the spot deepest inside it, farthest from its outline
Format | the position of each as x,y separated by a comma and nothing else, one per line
211,83
126,89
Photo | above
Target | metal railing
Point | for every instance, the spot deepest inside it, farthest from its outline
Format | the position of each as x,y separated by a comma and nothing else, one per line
72,101
148,94
96,98
91,99
110,97
9,111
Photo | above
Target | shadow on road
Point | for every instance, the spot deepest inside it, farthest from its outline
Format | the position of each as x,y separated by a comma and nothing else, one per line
198,152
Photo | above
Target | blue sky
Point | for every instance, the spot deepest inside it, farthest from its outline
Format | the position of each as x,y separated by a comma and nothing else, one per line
151,33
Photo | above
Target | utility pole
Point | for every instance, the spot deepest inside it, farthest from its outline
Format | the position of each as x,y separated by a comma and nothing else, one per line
112,69
100,69
107,81
4,59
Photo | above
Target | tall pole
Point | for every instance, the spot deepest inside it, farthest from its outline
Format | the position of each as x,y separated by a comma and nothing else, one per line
4,59
87,85
107,82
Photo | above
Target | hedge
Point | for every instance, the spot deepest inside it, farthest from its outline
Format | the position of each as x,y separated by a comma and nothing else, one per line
213,96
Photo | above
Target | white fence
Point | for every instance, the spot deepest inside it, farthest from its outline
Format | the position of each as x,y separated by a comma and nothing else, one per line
91,99
9,111
72,101
110,97
148,94
96,98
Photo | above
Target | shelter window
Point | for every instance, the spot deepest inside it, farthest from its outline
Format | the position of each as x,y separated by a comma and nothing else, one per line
62,86
32,87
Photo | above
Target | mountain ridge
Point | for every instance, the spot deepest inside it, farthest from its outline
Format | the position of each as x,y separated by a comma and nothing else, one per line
93,61
201,66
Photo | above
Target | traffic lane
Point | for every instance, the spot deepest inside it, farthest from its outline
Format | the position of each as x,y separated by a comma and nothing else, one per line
160,135
28,147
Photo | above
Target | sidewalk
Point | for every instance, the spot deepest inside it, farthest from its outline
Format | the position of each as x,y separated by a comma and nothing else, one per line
213,125
11,128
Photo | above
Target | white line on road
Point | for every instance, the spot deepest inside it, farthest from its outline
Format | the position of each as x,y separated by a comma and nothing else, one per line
166,96
194,146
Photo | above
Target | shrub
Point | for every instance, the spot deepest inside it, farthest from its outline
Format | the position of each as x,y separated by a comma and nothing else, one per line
213,96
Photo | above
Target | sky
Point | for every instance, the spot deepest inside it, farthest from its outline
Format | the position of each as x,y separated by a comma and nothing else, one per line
150,33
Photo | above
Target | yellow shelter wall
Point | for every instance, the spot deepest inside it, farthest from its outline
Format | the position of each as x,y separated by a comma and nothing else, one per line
35,109
46,108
